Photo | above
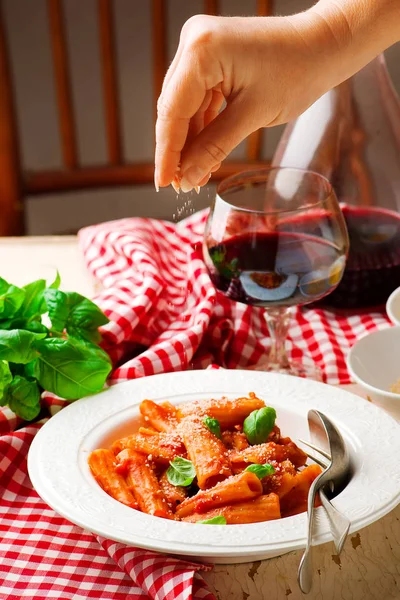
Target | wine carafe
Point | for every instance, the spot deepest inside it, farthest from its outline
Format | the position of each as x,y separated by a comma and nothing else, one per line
352,136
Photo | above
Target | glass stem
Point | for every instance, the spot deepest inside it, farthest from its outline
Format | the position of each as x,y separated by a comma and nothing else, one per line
278,320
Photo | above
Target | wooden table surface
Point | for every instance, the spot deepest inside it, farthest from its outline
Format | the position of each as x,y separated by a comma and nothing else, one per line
369,566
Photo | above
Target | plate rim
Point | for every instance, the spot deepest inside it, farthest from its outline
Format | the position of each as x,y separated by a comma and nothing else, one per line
216,377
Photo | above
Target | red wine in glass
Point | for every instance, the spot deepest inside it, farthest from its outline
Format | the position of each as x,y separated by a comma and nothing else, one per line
275,239
275,269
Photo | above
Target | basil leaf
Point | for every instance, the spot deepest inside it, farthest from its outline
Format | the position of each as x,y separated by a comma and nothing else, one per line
7,324
181,472
5,380
36,327
84,318
29,325
23,397
218,520
57,306
17,345
56,283
213,425
33,304
11,299
71,368
29,369
259,424
78,315
261,470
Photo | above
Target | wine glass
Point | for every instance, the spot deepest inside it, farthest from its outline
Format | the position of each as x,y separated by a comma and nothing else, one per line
276,238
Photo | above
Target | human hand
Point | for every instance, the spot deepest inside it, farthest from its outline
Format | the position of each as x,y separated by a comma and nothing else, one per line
265,69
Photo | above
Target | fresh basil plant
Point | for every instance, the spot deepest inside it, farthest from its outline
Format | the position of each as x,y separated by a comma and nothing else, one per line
62,358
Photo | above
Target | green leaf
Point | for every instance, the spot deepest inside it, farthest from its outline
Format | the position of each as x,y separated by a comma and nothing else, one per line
17,345
36,327
78,315
261,470
213,425
218,255
218,520
57,305
84,318
71,368
23,397
11,299
56,283
29,369
29,325
259,424
5,380
181,472
33,304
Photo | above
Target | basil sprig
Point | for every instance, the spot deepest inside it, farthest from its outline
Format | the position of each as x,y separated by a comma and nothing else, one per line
218,520
259,424
61,357
261,470
181,472
213,425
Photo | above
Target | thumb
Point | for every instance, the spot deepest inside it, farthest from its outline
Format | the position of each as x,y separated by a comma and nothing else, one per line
213,144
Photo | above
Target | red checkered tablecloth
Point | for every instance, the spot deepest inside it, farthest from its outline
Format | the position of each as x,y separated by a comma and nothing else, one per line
164,316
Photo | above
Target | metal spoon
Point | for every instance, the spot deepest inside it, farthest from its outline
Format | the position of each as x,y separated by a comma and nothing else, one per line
339,523
330,441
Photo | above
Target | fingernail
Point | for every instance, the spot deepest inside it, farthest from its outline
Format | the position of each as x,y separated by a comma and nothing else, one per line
197,189
185,185
175,186
156,184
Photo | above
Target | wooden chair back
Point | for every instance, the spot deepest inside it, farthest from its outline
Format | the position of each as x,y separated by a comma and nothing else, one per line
17,183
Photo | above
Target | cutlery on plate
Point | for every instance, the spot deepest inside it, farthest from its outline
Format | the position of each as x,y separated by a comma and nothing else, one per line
336,473
339,523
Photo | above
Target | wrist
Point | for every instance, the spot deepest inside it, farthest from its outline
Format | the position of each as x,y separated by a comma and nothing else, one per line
356,30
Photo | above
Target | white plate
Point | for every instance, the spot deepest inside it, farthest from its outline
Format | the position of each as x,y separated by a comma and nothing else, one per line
57,463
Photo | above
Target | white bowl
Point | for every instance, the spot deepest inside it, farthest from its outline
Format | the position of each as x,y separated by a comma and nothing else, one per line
374,363
393,306
57,463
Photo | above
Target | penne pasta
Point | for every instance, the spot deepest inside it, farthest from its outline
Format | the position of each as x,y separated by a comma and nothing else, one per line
234,440
295,500
162,447
228,412
190,463
282,481
174,494
102,465
263,508
266,453
237,488
161,417
144,484
207,453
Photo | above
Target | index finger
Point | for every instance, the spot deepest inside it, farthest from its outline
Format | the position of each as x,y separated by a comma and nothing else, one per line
179,102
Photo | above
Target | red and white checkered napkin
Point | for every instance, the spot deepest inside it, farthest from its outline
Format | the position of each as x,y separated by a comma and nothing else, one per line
43,556
165,316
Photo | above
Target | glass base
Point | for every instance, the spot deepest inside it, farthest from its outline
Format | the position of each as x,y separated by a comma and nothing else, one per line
308,370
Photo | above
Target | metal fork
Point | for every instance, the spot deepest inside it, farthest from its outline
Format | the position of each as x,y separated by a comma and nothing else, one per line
339,523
